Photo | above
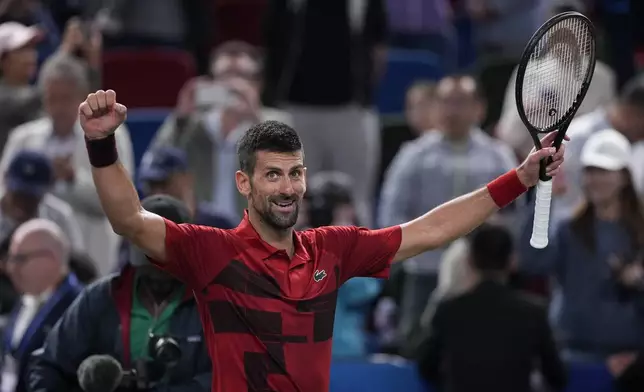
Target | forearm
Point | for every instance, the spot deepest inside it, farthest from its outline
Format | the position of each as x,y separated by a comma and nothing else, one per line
446,223
458,217
118,197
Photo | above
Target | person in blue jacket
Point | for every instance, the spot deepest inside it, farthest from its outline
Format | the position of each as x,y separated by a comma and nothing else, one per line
596,258
123,316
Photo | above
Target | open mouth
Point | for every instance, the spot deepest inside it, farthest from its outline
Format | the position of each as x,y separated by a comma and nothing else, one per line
284,205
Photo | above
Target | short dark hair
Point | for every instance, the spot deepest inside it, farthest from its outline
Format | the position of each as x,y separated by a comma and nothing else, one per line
270,136
491,248
633,92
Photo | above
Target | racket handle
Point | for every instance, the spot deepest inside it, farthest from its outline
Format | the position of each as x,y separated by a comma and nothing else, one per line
539,238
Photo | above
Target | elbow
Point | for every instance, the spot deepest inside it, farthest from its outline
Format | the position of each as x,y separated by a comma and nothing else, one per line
127,228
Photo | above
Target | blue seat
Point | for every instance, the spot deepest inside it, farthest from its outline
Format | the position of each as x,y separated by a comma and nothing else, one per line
403,68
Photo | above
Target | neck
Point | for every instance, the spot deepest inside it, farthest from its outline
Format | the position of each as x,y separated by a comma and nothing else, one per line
457,137
494,276
608,211
280,239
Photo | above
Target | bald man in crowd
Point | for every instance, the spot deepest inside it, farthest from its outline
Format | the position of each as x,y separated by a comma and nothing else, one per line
38,266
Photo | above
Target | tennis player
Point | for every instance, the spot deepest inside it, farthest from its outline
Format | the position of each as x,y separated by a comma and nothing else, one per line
267,293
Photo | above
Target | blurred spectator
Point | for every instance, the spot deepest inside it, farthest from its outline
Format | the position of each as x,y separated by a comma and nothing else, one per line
596,258
208,134
501,29
155,23
38,265
86,44
19,100
626,115
28,180
489,338
330,203
456,158
123,315
424,25
165,171
420,116
601,92
34,13
64,84
324,60
420,107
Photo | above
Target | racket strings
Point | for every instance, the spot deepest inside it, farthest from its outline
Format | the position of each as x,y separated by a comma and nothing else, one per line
558,67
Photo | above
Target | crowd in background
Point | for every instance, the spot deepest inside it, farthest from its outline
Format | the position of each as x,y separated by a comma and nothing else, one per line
317,65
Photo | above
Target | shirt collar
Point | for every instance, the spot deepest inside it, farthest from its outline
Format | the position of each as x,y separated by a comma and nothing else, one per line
36,300
248,232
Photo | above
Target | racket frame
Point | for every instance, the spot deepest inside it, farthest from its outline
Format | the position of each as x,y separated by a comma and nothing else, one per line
566,119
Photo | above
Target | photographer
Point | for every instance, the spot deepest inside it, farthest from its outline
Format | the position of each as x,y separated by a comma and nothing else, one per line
143,318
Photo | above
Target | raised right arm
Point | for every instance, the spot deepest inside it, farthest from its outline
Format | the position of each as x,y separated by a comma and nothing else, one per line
100,115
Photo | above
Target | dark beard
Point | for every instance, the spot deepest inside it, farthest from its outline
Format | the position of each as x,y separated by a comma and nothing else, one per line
278,222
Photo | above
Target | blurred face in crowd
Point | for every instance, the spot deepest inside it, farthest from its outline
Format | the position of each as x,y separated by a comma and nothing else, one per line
603,187
235,64
276,187
630,122
19,206
32,263
61,99
20,65
420,107
458,106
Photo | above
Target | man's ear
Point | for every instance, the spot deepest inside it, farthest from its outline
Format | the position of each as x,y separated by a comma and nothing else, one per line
243,183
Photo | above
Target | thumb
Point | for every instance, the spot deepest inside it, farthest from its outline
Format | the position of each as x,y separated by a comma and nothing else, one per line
120,109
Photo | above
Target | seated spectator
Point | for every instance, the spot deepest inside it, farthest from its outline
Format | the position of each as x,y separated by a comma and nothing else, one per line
19,100
64,83
595,257
490,338
122,316
28,179
330,203
38,265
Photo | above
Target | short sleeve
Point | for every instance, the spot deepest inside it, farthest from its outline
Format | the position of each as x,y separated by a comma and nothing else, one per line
364,252
195,254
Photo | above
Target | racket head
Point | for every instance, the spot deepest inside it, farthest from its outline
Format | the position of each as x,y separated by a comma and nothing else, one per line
554,74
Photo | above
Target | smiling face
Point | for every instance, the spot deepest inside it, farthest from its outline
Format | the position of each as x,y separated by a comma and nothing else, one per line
275,188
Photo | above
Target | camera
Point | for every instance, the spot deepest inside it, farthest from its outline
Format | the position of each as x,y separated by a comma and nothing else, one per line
164,350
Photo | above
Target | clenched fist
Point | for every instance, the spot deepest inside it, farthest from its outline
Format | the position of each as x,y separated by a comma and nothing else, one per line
100,115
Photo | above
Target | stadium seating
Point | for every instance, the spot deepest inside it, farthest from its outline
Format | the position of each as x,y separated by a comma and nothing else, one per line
147,77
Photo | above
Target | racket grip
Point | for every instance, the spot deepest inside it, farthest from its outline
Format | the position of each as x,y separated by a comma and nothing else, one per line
539,238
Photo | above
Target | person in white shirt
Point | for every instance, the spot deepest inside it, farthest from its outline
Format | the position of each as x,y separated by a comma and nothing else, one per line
37,265
64,83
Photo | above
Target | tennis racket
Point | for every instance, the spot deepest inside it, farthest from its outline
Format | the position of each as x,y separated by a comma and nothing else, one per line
552,80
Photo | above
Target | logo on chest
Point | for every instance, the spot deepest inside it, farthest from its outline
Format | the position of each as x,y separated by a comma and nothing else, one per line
319,275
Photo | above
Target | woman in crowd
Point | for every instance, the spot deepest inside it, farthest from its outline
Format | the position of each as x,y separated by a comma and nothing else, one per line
596,258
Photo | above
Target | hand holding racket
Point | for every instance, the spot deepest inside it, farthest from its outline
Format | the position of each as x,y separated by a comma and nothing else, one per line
552,80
